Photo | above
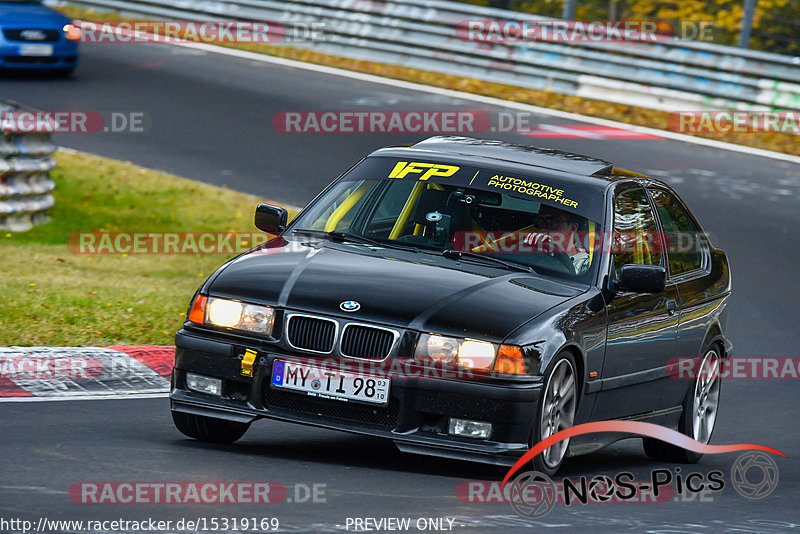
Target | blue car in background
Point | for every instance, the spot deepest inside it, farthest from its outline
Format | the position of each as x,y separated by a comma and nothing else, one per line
35,37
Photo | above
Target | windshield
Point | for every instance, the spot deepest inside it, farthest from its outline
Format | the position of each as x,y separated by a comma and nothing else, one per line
438,207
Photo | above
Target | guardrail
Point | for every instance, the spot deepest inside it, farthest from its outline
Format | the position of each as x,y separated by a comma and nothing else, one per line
25,165
669,75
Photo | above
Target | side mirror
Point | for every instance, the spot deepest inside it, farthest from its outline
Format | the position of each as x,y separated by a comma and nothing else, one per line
642,278
271,219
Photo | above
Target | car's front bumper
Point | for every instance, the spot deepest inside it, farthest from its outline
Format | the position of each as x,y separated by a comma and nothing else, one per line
416,417
64,56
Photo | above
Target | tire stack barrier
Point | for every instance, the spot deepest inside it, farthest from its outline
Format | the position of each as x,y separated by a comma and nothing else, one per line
25,184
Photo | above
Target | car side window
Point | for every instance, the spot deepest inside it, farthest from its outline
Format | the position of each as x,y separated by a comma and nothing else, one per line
635,231
684,244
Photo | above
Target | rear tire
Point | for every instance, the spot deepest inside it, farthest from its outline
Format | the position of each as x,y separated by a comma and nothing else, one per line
700,407
208,428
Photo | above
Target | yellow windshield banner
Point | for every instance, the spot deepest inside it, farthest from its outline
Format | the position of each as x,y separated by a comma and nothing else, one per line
531,188
426,170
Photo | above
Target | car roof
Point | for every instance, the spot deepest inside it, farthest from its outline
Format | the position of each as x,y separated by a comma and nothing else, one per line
584,170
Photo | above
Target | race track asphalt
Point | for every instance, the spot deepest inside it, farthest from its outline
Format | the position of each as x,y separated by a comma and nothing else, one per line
209,117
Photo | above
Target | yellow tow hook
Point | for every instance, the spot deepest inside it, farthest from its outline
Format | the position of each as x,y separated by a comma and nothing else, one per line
248,360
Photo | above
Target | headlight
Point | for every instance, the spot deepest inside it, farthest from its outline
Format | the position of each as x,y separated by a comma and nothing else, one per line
471,353
438,348
476,354
72,32
238,315
225,313
465,352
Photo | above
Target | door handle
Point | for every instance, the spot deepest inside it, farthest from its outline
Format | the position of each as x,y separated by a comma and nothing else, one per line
672,305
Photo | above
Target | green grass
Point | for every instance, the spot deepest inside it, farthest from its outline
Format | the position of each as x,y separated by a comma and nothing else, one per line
53,296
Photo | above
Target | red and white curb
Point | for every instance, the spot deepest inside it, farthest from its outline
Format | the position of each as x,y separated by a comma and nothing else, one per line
585,131
84,373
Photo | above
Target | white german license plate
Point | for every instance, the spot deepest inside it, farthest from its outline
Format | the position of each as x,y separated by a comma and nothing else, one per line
330,383
36,50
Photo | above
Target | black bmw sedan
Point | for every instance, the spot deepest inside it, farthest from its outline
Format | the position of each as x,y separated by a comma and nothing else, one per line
467,299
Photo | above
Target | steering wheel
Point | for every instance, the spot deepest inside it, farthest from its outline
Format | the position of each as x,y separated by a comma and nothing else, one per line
562,257
555,249
505,240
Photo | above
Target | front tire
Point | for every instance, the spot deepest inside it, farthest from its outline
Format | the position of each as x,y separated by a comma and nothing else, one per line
208,428
62,73
557,408
700,408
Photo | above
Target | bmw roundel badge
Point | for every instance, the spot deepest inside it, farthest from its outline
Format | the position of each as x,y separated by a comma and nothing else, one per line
350,306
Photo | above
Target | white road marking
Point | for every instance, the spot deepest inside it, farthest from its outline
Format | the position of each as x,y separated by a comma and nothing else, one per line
570,131
371,78
119,396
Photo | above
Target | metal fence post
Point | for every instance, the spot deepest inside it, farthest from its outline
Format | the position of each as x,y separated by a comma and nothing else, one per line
569,10
747,23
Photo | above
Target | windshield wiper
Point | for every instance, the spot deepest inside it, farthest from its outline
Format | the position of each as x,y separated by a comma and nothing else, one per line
457,255
354,238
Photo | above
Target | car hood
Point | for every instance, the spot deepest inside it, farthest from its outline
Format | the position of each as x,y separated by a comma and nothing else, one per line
18,15
405,289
